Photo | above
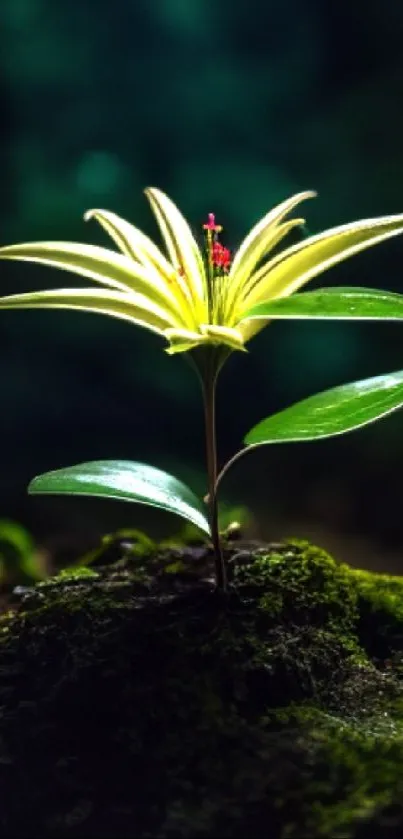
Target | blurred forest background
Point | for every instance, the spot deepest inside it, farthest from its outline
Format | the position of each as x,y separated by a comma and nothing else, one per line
229,107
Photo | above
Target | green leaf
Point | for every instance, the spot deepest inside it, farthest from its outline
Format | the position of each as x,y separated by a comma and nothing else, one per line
333,304
127,481
332,412
17,551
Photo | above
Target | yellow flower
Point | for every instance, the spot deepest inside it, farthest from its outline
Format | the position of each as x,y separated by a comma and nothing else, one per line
193,295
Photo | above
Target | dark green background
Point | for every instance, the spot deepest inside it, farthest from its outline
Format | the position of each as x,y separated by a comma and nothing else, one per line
231,107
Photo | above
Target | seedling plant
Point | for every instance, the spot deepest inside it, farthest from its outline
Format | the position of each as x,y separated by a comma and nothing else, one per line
204,301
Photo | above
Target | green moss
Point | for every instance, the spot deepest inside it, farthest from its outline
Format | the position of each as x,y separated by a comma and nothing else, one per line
175,567
384,593
380,615
304,584
311,583
71,574
171,711
359,768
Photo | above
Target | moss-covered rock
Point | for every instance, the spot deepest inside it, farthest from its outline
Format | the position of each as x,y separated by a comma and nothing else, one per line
137,701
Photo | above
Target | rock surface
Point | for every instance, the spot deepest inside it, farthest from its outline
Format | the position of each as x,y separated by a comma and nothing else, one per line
136,701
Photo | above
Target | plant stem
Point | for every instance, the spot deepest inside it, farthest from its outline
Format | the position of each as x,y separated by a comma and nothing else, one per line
209,387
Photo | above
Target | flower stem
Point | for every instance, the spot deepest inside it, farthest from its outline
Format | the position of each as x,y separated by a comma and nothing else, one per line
209,388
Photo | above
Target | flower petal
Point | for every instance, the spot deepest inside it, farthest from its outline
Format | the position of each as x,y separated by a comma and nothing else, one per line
182,247
183,340
132,307
279,233
233,314
140,248
297,265
101,265
131,241
261,239
223,335
250,328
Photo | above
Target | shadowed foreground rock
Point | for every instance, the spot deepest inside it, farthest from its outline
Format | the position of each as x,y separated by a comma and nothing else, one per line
143,704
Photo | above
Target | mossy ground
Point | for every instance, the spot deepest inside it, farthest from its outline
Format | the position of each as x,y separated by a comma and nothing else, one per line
136,701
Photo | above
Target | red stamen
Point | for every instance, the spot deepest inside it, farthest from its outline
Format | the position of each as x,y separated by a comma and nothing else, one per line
220,256
211,225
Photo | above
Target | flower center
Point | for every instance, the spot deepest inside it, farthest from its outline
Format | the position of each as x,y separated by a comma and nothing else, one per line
217,263
220,256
